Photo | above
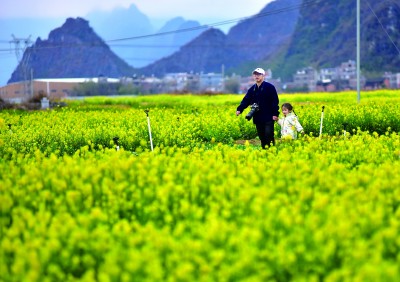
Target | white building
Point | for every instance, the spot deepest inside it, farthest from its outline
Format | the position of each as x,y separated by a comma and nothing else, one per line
394,79
306,77
211,82
348,70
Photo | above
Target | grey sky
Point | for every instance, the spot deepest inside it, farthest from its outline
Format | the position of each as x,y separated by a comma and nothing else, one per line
199,10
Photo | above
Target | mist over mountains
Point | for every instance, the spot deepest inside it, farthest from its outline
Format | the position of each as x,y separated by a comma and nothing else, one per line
246,45
142,49
286,35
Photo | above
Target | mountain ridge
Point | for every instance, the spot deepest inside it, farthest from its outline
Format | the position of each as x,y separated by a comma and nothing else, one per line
131,21
320,34
246,43
66,53
325,36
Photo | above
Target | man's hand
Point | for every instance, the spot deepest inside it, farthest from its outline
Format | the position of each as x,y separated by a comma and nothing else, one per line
275,118
237,113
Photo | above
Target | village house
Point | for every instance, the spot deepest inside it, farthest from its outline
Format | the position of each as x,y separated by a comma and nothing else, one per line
305,78
343,77
394,79
53,88
211,82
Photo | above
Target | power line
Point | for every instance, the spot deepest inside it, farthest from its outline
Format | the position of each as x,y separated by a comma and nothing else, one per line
18,48
395,3
149,46
238,45
207,26
390,38
23,59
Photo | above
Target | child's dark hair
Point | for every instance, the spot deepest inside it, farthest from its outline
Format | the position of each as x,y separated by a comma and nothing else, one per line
287,106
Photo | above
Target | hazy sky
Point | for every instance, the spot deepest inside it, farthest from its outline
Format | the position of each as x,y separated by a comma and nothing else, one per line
154,9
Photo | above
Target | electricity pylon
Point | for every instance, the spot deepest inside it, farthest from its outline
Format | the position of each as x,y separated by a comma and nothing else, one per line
20,46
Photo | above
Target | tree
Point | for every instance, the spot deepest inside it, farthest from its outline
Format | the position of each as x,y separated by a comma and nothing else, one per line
232,85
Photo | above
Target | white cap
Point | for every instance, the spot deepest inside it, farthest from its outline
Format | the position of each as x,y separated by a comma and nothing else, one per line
259,70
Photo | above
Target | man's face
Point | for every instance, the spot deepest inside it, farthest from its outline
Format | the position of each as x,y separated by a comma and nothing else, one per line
258,77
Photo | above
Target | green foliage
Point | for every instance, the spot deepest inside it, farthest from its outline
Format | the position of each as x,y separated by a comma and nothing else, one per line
232,85
91,88
325,37
128,90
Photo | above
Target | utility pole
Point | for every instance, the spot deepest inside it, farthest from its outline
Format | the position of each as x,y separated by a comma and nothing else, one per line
223,78
358,51
23,60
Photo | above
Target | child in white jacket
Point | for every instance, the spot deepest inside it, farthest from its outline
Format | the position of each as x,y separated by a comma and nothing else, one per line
290,124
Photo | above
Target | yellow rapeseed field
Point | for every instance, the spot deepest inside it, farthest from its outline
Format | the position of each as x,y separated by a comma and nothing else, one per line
202,206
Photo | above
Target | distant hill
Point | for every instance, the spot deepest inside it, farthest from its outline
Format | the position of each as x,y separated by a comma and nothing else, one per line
288,35
23,29
267,32
285,36
118,23
245,45
138,47
173,41
124,23
205,53
325,36
73,50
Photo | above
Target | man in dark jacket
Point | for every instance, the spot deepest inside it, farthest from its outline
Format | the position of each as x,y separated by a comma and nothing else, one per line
265,96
